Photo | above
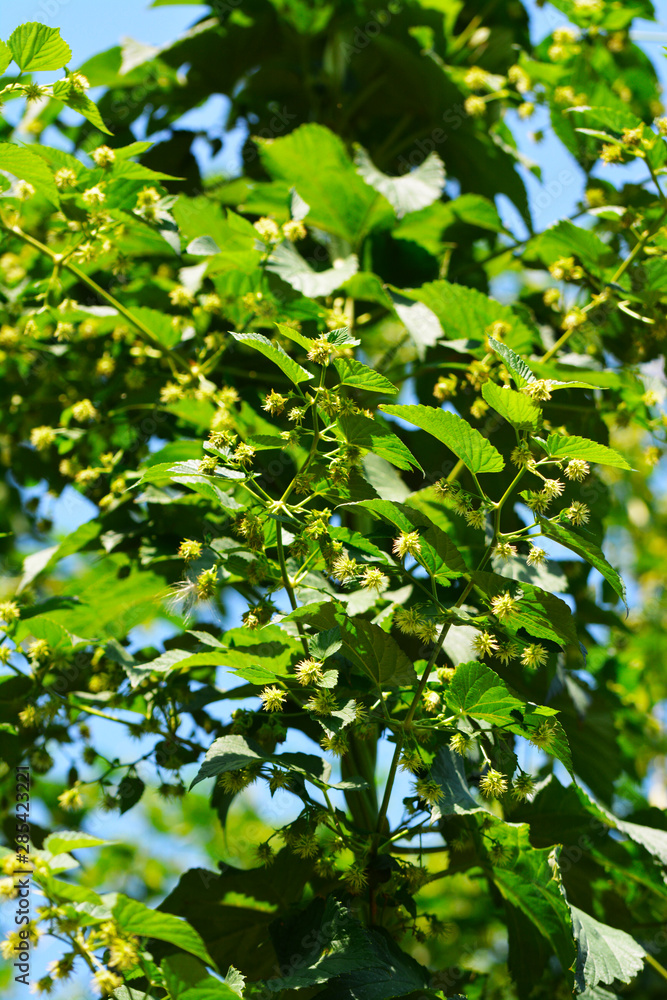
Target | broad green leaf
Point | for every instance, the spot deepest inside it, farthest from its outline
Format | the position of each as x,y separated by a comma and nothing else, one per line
185,975
376,653
315,161
35,46
586,547
561,446
276,354
367,645
415,190
202,246
80,102
474,450
27,166
354,961
360,376
228,753
71,840
129,993
610,122
169,661
477,691
364,432
448,770
288,264
604,954
422,324
520,410
136,918
564,239
234,235
528,879
159,324
438,553
182,971
295,335
341,337
517,368
209,989
465,313
129,792
541,614
5,56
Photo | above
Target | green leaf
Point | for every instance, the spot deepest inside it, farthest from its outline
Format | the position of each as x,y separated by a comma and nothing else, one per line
465,313
585,546
364,432
517,368
354,961
438,553
315,161
377,653
541,614
521,411
560,446
135,918
360,376
202,246
415,190
35,46
564,239
422,324
228,753
604,954
209,989
63,91
288,264
235,980
130,790
276,354
188,979
5,56
71,840
474,450
529,881
477,691
159,324
448,770
128,993
22,163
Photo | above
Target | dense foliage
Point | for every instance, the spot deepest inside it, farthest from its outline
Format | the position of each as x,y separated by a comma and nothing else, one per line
378,514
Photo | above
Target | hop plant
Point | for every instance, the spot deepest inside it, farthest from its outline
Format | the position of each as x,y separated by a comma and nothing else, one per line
578,513
484,644
462,743
189,549
536,556
534,655
429,790
523,786
577,469
273,698
373,578
309,671
493,784
407,543
504,606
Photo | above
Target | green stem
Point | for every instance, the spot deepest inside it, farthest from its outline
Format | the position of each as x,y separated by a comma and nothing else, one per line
620,271
660,969
287,583
61,260
407,722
